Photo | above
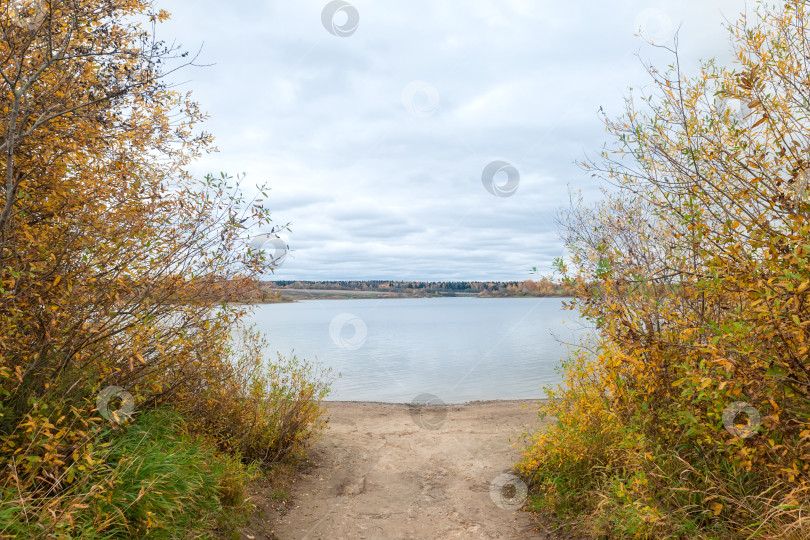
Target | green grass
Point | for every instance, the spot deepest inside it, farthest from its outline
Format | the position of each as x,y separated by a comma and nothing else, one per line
153,480
279,495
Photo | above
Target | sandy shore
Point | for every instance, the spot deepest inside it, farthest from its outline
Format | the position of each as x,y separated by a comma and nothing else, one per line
395,472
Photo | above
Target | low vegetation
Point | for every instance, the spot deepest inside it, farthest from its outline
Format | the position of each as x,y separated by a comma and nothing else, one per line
688,416
126,406
152,478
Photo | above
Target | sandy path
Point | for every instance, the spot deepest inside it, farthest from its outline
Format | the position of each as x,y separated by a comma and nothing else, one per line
395,472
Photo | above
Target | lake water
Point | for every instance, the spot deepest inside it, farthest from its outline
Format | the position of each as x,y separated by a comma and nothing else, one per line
458,349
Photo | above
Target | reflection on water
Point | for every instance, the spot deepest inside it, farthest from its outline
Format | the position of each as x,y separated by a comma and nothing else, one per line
459,349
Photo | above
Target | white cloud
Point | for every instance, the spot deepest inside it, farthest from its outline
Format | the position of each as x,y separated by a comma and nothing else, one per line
375,191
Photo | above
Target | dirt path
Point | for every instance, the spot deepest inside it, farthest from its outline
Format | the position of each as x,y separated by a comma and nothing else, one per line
397,472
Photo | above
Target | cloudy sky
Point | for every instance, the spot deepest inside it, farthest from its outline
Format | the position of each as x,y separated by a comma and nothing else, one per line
374,122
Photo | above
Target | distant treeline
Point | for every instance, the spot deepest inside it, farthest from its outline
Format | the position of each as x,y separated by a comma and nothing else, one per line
542,287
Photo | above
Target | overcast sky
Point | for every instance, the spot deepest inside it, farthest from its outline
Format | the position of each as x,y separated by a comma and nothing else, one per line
373,122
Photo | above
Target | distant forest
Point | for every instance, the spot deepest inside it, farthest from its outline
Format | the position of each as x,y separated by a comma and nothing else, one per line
542,287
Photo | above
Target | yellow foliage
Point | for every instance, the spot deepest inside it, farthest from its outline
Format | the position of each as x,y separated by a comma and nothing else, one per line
694,270
115,263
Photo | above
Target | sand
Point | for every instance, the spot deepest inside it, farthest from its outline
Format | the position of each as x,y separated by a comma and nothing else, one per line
397,472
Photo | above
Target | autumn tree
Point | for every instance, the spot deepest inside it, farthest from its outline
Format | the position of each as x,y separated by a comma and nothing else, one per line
691,416
114,261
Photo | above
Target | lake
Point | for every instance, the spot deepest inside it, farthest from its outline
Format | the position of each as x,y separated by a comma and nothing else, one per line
458,349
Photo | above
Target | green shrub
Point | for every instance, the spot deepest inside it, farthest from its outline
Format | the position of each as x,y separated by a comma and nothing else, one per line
264,411
149,478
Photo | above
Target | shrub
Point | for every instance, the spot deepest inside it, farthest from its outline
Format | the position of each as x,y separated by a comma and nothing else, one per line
150,478
695,272
264,411
115,268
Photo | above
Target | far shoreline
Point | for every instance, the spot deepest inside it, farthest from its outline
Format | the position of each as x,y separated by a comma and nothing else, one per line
401,404
360,296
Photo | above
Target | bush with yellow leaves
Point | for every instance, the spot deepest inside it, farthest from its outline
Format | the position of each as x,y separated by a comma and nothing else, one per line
690,416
